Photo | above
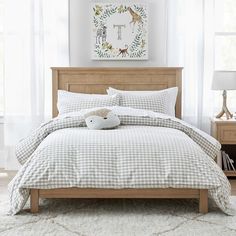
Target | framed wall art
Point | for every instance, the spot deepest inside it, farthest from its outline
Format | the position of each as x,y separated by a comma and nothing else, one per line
119,31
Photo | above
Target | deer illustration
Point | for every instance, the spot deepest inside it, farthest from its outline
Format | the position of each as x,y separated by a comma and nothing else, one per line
136,18
123,51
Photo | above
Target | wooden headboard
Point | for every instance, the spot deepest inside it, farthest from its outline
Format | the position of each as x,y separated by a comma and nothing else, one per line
97,80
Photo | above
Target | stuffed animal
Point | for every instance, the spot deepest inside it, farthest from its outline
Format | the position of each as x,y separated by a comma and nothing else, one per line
101,119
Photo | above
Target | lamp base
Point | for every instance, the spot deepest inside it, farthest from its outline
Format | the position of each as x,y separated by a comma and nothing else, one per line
224,110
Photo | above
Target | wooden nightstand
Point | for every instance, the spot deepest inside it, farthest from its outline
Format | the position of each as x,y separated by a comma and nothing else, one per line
225,132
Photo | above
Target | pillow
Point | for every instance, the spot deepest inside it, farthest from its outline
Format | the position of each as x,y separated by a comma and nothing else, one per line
101,119
162,101
112,91
71,102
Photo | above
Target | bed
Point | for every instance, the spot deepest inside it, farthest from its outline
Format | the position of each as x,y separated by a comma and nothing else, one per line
96,81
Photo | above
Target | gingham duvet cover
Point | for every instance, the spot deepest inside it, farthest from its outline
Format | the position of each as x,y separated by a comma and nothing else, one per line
149,150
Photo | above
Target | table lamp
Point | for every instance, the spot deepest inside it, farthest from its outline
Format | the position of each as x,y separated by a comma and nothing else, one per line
224,80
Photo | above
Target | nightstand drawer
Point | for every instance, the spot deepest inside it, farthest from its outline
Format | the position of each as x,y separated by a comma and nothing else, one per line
227,134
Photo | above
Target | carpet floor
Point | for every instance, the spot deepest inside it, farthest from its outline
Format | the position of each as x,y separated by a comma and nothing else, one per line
66,217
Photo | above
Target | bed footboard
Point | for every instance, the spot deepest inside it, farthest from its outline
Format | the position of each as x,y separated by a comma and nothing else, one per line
173,193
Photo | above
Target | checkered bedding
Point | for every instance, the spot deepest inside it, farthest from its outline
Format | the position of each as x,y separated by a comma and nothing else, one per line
149,150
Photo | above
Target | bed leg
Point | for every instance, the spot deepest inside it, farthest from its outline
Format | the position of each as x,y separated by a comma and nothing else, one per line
34,200
203,201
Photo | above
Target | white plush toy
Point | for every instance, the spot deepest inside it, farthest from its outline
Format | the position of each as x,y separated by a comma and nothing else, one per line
101,119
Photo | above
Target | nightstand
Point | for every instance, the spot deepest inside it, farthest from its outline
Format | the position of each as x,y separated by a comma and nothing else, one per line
225,132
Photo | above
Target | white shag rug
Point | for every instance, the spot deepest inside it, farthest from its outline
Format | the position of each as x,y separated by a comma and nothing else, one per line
67,217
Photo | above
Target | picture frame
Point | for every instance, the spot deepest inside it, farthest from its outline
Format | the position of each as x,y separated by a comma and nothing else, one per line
119,31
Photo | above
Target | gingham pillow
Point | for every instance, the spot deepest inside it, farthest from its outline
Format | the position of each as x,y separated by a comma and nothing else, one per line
71,102
154,102
162,101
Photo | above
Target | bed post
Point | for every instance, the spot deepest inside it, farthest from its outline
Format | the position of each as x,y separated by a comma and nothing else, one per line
203,201
34,200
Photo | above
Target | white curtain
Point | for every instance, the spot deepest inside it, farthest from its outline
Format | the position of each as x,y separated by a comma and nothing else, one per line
36,36
190,44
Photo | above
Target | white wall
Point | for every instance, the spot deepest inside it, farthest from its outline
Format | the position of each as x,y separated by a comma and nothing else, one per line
80,43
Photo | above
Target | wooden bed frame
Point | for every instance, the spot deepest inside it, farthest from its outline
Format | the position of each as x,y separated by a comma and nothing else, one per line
97,80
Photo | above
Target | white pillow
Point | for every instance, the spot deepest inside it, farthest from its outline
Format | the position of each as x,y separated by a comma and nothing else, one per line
162,101
72,102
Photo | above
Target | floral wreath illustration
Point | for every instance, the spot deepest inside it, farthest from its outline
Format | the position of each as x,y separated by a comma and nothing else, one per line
104,49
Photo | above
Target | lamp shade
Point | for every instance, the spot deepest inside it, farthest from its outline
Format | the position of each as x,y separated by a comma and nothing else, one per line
224,80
